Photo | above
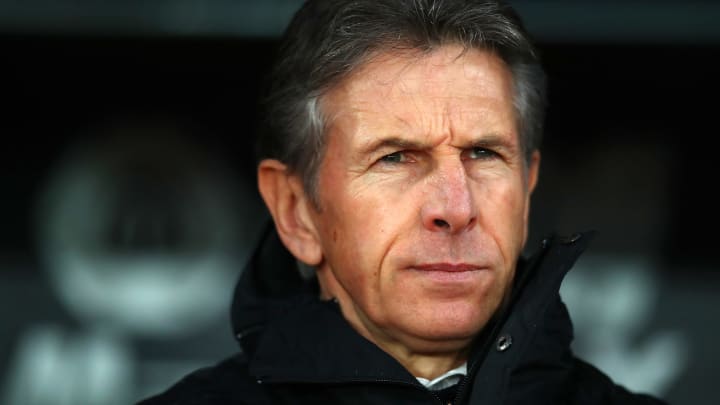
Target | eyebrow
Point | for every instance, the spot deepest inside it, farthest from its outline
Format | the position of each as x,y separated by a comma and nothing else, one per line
392,142
490,141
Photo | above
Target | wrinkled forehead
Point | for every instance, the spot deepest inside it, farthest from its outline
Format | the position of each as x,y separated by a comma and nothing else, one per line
450,86
390,68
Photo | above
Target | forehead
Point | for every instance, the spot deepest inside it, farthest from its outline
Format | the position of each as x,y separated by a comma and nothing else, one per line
449,86
446,64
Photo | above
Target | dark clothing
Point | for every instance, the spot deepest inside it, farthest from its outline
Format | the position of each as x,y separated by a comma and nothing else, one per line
300,350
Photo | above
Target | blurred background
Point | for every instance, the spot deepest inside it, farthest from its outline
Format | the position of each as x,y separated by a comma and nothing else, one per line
128,201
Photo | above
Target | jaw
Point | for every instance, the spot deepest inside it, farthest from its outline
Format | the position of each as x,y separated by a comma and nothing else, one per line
427,348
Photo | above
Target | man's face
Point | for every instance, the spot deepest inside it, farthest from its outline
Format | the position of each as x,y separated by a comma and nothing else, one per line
424,196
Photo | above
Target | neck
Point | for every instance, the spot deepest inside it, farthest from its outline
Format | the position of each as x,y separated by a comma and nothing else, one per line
429,365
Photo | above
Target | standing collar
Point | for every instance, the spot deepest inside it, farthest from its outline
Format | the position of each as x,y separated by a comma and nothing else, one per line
446,380
313,343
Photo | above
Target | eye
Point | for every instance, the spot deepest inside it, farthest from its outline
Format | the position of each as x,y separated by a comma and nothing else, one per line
478,153
395,157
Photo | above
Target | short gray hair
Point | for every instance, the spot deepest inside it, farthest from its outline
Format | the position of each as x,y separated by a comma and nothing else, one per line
327,40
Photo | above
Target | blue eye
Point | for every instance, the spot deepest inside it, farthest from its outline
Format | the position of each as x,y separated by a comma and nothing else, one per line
396,157
481,153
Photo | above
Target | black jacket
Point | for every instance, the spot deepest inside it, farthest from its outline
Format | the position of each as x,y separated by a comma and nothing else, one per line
300,350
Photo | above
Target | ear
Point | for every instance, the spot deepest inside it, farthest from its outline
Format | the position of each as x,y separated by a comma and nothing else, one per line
289,206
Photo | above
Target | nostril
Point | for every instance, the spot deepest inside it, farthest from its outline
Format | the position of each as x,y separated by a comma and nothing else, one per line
440,223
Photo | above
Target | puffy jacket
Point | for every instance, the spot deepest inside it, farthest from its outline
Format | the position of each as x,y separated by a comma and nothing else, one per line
297,349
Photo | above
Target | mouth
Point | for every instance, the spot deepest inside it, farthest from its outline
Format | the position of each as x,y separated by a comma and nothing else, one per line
447,267
448,274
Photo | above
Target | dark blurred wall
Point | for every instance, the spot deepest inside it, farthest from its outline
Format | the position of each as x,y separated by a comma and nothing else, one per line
629,151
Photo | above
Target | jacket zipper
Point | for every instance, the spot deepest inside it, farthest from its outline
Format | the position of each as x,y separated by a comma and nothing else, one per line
381,381
417,387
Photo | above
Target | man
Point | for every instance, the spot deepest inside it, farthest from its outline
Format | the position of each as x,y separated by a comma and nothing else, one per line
399,160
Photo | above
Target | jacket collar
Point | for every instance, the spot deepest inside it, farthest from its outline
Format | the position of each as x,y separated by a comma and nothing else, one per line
298,338
533,334
316,339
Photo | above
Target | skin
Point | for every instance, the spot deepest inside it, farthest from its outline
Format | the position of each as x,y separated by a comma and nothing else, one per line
424,196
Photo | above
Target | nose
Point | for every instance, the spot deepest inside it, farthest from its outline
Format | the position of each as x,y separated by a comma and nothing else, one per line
449,205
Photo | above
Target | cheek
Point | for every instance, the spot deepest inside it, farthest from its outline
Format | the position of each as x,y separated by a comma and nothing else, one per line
503,212
350,233
359,234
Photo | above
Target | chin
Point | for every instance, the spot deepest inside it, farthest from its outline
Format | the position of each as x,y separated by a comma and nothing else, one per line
458,325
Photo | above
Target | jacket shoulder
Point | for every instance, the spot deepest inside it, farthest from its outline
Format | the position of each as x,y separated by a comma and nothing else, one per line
592,386
228,382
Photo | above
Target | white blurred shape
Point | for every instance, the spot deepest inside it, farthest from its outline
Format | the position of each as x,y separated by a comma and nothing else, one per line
148,296
611,301
144,232
55,367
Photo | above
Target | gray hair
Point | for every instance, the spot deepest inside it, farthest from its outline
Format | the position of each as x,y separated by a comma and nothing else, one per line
327,40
